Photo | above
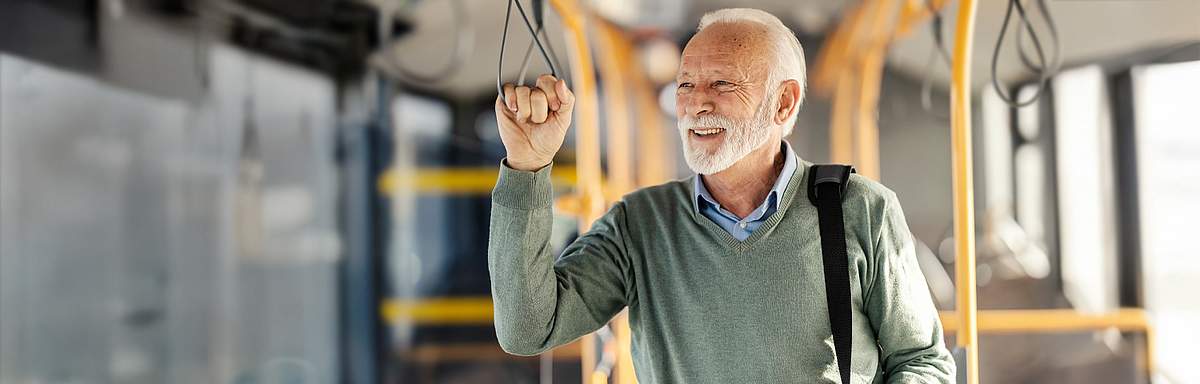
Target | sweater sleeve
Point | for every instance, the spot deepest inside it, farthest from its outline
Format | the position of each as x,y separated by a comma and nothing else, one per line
900,309
541,303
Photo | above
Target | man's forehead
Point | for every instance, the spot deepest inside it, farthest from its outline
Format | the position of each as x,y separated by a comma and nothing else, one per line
710,64
718,62
732,36
708,58
735,45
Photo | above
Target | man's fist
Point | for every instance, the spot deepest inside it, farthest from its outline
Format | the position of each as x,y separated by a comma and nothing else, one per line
534,121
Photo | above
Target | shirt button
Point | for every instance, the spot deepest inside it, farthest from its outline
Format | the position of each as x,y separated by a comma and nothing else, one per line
742,224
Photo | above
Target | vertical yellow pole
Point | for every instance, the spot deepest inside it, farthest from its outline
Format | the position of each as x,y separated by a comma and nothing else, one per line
1149,356
656,163
837,51
964,217
866,132
616,69
587,138
870,66
614,46
834,75
841,147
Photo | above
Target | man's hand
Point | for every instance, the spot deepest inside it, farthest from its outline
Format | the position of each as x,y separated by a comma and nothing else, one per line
534,122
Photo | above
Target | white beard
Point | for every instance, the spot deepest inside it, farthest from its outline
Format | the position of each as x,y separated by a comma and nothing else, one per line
741,138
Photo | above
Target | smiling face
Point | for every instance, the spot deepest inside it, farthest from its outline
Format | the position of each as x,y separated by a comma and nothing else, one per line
721,103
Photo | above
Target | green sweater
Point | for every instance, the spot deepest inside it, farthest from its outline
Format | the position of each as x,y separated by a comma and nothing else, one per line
705,307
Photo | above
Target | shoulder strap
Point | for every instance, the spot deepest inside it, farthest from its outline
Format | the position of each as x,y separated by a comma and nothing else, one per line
826,187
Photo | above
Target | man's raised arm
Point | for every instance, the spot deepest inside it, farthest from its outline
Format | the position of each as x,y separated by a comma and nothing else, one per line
541,303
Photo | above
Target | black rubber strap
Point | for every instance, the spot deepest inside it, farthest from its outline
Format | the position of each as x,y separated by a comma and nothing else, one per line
826,187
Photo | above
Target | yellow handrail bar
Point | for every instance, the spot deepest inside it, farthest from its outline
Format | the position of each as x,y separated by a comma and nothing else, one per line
613,71
454,180
477,311
1059,320
964,201
587,136
616,68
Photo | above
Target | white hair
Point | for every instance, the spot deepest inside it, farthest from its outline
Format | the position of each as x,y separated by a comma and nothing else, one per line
789,56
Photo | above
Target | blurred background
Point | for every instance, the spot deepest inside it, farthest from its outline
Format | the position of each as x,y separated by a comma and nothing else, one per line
269,191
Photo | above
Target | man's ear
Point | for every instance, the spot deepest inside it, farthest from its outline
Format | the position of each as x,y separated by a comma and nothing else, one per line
789,101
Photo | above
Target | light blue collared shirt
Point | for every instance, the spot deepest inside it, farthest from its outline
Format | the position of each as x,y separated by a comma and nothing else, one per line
741,228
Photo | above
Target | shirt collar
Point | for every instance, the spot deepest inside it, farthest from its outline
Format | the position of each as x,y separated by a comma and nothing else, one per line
701,195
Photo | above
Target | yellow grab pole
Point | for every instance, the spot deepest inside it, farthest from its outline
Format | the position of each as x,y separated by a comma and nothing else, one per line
870,77
837,52
913,13
587,131
656,163
587,138
964,216
1149,350
841,149
866,132
615,67
616,107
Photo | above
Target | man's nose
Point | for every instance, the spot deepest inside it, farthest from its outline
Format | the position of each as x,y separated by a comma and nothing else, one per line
698,106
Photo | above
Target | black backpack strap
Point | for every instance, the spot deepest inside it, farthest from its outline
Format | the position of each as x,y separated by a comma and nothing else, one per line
826,187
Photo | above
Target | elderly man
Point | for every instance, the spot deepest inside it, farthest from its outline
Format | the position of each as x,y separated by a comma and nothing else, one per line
721,272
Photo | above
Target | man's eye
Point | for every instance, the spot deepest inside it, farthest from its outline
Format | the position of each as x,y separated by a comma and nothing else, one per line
685,85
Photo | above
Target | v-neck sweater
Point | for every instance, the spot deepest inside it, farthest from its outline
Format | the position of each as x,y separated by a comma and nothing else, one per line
705,307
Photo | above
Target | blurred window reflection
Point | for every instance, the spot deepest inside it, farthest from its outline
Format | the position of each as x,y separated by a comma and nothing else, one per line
1166,97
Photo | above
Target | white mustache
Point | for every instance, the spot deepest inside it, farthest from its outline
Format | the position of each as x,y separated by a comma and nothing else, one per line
707,121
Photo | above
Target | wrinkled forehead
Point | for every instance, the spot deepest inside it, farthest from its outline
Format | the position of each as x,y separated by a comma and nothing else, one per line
727,48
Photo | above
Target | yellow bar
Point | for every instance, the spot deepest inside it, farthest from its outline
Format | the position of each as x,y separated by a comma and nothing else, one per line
457,181
615,66
616,108
866,133
915,12
656,162
624,339
841,148
964,217
835,55
1149,350
1059,320
439,311
587,136
587,131
870,66
1049,320
477,311
475,352
599,378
